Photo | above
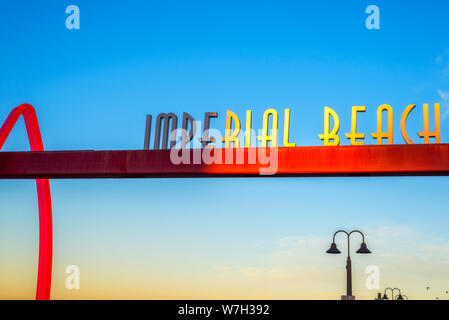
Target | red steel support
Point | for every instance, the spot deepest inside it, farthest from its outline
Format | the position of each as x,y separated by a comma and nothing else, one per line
43,194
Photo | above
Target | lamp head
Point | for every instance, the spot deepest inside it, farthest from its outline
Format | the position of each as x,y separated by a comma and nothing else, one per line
333,249
399,297
363,249
385,297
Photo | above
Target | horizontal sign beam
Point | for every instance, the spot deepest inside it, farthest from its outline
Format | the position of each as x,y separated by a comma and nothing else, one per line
371,160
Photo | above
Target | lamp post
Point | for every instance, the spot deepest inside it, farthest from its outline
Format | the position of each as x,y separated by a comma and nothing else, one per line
334,250
399,297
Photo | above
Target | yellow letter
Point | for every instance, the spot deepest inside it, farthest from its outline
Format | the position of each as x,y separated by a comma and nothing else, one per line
228,136
379,135
287,129
327,136
265,137
404,116
248,129
354,135
426,134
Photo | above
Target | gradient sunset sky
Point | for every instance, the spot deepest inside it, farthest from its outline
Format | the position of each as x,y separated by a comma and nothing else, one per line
223,238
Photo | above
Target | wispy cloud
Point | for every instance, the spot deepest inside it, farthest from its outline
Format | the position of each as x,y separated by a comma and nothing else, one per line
444,96
223,269
443,61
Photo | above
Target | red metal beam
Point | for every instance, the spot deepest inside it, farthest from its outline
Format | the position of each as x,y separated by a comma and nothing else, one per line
371,160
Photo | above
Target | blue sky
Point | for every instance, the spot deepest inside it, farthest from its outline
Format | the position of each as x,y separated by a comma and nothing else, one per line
93,87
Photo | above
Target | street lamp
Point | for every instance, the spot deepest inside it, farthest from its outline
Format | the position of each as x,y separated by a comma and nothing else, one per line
334,250
399,297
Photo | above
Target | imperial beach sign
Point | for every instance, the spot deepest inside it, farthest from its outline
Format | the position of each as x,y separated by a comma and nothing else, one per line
167,135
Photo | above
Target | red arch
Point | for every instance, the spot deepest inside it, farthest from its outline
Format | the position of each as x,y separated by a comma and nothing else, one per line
43,195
